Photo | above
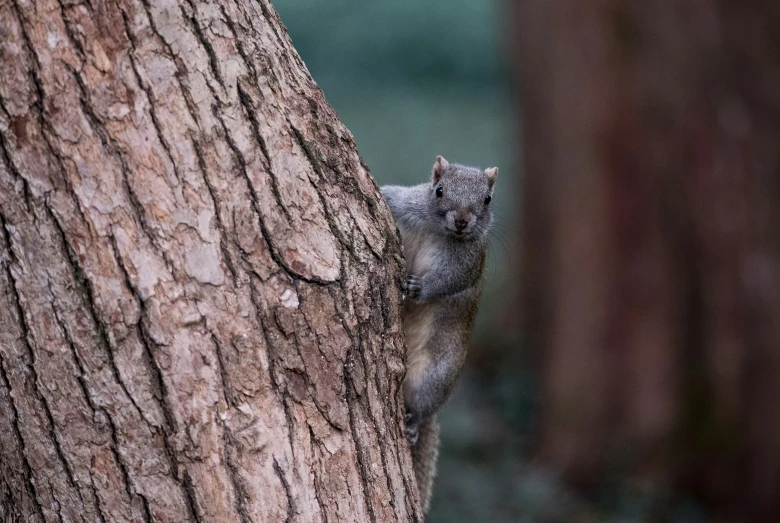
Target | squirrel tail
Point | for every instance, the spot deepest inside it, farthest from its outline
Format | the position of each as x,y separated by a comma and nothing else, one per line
424,455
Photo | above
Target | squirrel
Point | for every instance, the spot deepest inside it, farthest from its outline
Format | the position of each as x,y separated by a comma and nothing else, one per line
444,232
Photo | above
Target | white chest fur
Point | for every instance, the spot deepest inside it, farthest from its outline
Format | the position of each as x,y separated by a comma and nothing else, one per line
421,252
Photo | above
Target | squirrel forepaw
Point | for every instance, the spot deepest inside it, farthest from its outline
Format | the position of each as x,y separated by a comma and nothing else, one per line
413,286
411,429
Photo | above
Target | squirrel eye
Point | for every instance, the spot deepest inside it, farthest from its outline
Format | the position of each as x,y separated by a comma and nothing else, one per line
439,191
487,199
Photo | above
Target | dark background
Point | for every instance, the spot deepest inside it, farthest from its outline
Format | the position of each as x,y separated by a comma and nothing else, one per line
626,362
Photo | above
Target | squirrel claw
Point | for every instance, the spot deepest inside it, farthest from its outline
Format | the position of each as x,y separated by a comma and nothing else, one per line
411,430
411,435
413,286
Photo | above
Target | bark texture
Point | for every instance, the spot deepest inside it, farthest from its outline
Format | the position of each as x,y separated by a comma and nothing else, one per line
651,245
199,283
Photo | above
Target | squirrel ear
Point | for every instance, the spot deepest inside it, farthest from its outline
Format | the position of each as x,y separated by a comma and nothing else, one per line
439,167
492,174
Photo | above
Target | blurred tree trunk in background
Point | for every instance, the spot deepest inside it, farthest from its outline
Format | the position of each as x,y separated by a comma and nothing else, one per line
651,241
199,283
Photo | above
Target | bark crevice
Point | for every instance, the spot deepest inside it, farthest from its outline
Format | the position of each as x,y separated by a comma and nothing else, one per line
27,342
29,484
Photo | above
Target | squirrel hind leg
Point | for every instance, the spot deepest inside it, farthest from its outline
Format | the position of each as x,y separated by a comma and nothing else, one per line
425,454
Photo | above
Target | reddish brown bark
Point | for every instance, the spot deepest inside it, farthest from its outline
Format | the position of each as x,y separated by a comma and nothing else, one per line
199,283
652,257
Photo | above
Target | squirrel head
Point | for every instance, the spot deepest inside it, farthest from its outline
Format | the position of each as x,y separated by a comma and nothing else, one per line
461,197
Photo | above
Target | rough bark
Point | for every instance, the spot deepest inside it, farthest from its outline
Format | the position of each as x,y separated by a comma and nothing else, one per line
199,282
652,260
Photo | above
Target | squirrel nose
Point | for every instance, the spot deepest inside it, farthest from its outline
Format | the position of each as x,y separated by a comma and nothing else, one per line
461,223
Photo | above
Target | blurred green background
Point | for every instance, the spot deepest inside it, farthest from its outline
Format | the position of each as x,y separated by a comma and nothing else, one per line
412,80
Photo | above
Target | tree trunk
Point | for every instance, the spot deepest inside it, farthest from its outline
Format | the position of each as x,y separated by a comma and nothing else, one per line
200,284
652,257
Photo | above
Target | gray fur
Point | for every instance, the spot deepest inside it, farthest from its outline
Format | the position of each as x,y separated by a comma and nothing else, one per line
445,245
425,453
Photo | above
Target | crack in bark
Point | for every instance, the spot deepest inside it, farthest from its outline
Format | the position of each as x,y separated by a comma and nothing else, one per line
78,273
81,379
196,146
146,512
280,392
182,477
315,164
287,491
272,250
46,128
95,496
6,155
57,504
244,97
31,50
114,151
202,163
71,36
239,46
191,107
109,143
352,188
267,72
382,448
290,422
189,491
150,98
30,209
87,293
156,372
223,235
227,390
32,490
198,31
26,339
398,441
267,15
351,400
315,476
239,488
361,350
309,386
285,43
357,341
247,104
114,447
